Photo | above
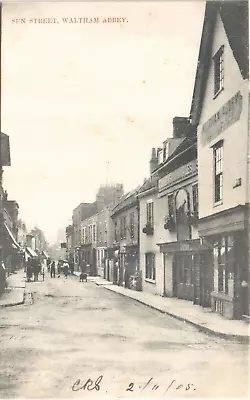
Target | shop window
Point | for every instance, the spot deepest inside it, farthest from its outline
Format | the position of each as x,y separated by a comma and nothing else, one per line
218,171
219,71
150,213
150,266
224,260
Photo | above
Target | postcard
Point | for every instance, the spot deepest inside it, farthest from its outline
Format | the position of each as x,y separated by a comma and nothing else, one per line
124,199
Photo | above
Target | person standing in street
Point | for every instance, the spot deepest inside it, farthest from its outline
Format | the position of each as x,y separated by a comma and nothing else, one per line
66,269
53,270
59,269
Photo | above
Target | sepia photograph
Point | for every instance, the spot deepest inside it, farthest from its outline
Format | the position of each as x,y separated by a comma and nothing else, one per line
124,199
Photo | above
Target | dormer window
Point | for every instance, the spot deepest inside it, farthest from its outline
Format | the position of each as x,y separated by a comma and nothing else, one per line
219,71
165,151
160,156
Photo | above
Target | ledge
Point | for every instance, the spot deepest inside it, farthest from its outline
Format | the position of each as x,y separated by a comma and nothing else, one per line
150,281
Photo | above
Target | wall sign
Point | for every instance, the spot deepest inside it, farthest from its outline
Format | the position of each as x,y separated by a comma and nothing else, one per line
222,119
179,174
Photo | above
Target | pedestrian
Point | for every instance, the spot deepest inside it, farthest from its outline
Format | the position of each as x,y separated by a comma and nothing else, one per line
53,270
3,282
48,261
83,266
43,272
66,269
71,267
58,269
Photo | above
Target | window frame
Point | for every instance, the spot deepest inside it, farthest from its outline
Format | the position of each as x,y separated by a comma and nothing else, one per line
116,231
124,227
132,224
94,233
226,263
150,212
171,196
218,176
218,60
150,270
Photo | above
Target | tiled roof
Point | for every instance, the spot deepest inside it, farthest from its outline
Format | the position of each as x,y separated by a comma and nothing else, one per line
150,183
127,199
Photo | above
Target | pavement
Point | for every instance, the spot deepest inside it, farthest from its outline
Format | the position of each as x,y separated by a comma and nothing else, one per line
79,340
15,292
202,318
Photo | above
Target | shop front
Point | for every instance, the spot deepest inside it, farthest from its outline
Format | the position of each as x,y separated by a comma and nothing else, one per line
88,256
227,234
187,267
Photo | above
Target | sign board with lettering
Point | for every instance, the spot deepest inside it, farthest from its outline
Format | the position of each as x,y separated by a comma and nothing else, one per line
183,172
222,119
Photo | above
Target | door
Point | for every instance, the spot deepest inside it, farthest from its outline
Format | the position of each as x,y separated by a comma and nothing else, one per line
206,278
175,276
197,259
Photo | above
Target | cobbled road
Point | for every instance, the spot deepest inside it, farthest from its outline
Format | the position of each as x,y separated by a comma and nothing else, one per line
76,340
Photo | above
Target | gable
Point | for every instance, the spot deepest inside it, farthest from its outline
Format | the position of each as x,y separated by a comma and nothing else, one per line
234,17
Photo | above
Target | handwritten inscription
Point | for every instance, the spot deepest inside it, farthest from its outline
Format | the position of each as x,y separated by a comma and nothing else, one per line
150,386
222,119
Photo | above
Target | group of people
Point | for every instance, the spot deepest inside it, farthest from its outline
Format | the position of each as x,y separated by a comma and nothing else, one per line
34,267
60,266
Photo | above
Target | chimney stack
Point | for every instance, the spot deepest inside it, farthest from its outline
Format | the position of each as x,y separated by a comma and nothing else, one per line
181,127
153,161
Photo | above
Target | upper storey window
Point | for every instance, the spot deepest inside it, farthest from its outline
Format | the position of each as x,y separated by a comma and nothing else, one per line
219,71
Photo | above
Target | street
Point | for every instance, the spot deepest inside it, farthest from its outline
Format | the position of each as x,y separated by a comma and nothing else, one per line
77,339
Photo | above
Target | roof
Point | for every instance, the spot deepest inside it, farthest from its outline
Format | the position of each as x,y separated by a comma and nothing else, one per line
150,183
234,16
128,199
189,143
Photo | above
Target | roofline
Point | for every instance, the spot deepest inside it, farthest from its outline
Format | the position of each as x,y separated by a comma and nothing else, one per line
148,191
193,145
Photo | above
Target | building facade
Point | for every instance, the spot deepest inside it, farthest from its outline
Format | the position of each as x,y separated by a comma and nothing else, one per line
106,196
220,110
125,217
80,213
88,243
104,243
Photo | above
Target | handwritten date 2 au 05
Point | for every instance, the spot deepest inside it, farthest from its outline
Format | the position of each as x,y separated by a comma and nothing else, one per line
96,385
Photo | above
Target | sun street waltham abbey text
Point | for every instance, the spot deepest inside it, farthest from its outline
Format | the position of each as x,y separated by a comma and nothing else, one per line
70,20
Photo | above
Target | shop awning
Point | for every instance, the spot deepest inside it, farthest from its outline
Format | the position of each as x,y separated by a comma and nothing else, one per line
30,252
14,243
45,254
193,245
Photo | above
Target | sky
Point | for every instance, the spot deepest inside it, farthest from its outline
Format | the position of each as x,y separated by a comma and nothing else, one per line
84,103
